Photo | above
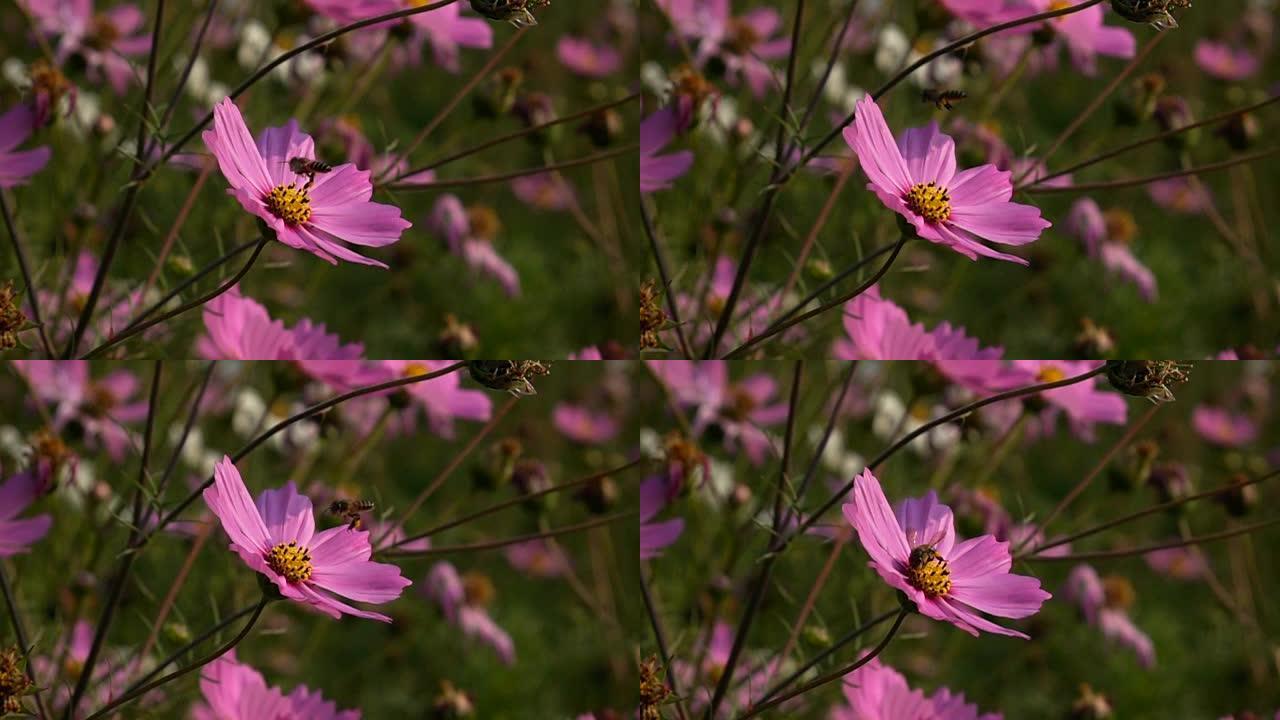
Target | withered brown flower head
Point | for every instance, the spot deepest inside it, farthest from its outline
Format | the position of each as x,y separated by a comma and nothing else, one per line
1151,379
513,376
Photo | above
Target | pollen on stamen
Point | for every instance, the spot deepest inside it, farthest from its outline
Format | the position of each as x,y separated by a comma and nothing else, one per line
291,560
931,201
928,572
290,203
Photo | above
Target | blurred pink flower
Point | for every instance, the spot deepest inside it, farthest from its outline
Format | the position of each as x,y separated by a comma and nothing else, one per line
444,586
654,536
448,29
879,329
916,552
450,220
587,58
916,177
538,558
658,172
1223,427
744,43
105,40
1087,223
441,399
239,328
702,680
741,410
1181,563
277,538
876,691
316,214
1084,403
1225,61
16,493
1088,591
16,167
233,690
100,407
61,668
580,424
544,191
1085,35
1180,195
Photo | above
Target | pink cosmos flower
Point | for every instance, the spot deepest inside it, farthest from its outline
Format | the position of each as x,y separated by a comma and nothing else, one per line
1099,608
1223,427
61,668
1225,61
105,40
658,172
233,690
277,537
1181,195
441,399
701,680
879,329
317,214
1181,563
986,13
741,410
916,177
100,407
876,691
654,536
239,328
744,43
545,191
464,607
448,29
450,220
1087,223
16,167
582,425
1085,35
16,493
916,552
538,558
587,58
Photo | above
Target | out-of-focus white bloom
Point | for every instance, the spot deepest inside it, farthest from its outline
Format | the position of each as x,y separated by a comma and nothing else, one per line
838,92
894,53
835,456
892,419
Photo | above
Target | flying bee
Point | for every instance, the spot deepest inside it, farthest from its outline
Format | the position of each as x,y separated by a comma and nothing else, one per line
350,510
310,168
944,99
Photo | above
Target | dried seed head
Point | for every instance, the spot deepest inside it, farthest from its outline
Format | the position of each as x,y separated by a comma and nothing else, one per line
14,683
1151,379
652,317
516,12
12,318
653,689
1155,12
513,376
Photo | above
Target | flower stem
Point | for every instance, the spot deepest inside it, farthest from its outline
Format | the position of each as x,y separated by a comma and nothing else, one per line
660,258
1132,182
782,325
144,689
137,326
517,501
20,630
1127,552
832,676
487,179
494,544
25,269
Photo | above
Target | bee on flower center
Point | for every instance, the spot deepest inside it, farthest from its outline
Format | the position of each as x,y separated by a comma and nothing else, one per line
928,571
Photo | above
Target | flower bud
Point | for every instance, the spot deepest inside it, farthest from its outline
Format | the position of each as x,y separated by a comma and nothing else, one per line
1241,497
498,466
531,477
1135,471
603,128
1090,705
1093,341
1240,131
1137,103
451,703
599,495
1171,481
457,339
497,94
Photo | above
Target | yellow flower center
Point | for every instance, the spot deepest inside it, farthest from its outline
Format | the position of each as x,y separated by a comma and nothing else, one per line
928,572
1050,373
414,369
290,203
291,560
931,201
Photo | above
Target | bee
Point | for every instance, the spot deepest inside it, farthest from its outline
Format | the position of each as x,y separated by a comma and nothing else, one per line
310,168
944,99
350,510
